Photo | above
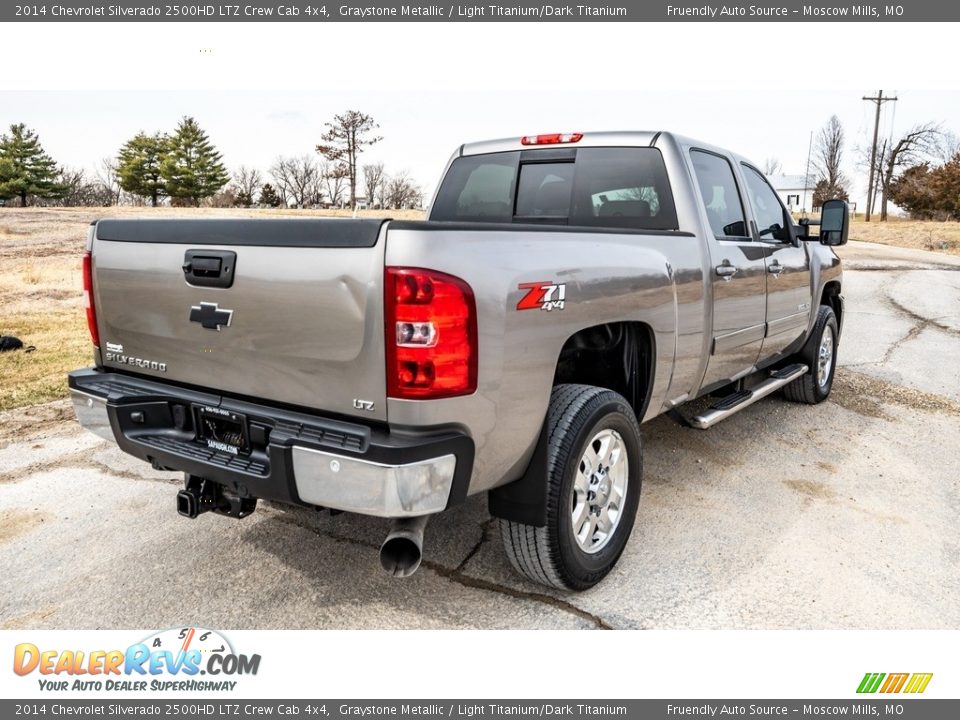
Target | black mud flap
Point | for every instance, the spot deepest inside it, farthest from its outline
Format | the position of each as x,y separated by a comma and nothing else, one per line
525,500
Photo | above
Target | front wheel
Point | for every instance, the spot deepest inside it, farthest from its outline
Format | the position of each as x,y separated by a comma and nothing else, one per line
593,489
820,355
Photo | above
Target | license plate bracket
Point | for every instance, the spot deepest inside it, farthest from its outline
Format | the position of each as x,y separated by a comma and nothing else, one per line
223,430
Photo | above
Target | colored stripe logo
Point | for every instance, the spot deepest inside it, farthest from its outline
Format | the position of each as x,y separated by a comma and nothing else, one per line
894,682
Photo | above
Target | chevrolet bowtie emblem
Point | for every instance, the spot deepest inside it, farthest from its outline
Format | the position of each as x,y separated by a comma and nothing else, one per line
211,316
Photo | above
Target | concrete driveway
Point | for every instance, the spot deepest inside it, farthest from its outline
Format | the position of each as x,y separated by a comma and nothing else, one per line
837,516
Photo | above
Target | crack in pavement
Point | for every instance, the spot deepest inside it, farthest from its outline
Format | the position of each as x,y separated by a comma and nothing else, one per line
923,321
921,324
77,458
912,333
130,474
456,575
81,460
485,528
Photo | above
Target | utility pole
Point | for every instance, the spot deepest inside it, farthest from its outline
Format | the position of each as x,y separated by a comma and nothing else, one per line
806,178
879,100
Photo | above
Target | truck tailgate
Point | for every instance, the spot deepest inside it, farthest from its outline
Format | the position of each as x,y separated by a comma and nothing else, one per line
301,321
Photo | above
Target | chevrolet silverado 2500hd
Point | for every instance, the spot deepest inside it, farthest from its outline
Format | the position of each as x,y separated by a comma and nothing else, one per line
564,289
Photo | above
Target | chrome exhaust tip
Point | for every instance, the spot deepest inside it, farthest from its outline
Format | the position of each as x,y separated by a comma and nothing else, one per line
402,550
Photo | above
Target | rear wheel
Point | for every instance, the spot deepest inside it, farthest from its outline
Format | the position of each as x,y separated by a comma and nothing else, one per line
593,489
820,355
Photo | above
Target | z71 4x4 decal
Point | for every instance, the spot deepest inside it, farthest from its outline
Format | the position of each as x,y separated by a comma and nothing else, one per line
542,296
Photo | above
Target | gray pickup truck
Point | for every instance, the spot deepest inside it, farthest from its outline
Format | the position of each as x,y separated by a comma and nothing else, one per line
564,289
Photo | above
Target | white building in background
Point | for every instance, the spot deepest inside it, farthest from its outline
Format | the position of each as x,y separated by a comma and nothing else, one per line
796,191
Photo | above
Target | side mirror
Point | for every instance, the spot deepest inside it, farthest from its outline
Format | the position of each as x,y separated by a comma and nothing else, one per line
834,222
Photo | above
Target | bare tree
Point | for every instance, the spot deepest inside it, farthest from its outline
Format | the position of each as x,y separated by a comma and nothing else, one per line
297,179
79,191
949,146
373,176
334,177
107,176
345,139
382,192
225,198
918,143
772,166
246,185
74,183
827,158
402,191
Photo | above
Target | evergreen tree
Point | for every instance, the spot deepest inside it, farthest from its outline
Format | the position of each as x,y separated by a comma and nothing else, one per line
192,167
6,173
929,193
824,191
242,199
913,191
25,168
268,196
138,166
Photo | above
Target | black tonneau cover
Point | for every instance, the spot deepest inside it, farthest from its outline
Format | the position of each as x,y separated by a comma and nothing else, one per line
266,232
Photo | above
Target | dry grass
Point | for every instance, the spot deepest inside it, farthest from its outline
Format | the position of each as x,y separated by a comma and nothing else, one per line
41,298
920,235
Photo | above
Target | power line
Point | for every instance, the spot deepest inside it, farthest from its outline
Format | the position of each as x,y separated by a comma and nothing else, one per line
879,100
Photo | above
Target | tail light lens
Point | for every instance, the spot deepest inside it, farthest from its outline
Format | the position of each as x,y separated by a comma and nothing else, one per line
88,298
431,335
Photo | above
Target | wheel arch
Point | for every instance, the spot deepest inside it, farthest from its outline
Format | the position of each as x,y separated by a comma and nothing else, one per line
618,356
830,296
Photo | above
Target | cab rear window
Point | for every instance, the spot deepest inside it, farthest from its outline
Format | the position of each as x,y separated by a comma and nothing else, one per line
593,187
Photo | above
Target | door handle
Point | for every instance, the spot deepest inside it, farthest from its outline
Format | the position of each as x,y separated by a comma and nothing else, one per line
726,271
775,268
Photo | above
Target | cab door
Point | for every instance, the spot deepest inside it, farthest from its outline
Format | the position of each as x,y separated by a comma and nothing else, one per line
737,271
789,299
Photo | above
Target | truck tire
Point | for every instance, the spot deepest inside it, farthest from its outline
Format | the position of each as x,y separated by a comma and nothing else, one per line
593,488
820,354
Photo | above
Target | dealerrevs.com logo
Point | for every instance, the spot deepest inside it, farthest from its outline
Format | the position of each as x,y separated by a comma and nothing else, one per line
168,660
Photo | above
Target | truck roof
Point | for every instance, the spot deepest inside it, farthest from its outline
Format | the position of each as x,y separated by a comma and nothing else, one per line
620,138
628,138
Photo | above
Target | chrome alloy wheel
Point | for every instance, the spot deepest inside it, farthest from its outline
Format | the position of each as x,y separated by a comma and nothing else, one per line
599,490
825,358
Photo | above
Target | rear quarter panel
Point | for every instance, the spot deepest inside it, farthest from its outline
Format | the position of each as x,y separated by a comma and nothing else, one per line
609,277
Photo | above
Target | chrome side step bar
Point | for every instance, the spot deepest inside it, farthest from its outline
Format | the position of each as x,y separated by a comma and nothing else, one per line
732,404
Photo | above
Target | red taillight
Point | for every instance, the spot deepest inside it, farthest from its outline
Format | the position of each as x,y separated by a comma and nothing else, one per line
551,139
88,298
431,335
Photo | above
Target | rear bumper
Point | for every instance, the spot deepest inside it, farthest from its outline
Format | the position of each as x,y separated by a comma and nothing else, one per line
294,457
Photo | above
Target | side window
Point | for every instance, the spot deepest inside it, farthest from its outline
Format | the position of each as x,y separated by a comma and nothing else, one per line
718,188
771,218
622,187
478,188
